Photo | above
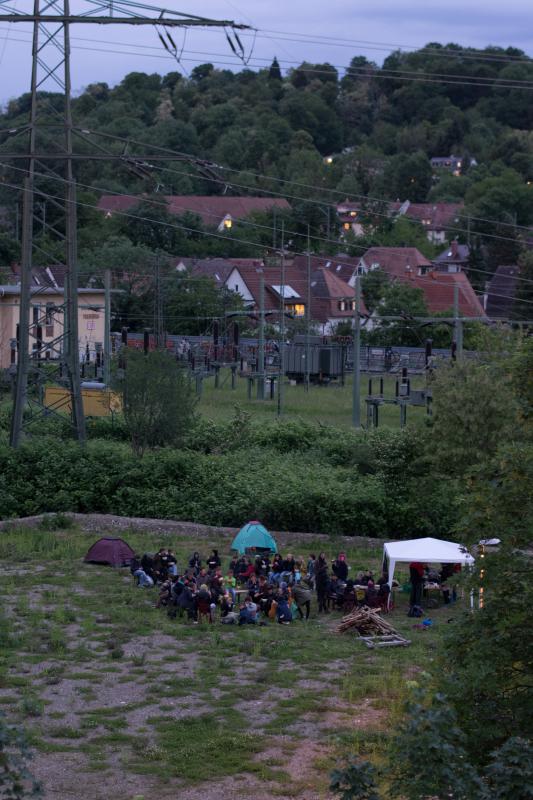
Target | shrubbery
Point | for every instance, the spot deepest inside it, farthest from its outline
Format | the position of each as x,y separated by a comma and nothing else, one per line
292,475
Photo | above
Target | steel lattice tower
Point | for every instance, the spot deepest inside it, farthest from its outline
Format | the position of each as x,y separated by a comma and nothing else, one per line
51,157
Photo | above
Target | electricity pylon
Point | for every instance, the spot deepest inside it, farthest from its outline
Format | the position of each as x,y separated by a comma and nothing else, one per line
54,157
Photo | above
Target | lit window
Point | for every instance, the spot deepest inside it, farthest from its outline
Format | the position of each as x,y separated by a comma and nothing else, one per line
353,213
346,226
299,309
342,305
228,222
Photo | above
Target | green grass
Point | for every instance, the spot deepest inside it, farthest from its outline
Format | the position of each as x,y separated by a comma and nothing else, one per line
236,670
330,405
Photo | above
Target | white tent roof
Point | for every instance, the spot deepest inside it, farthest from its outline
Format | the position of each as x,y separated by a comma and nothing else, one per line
428,550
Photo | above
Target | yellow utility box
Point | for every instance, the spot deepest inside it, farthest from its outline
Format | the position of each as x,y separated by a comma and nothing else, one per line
97,402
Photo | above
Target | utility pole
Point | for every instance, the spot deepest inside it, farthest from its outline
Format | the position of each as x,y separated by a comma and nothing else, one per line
356,386
261,349
281,370
457,323
107,328
308,315
159,334
51,21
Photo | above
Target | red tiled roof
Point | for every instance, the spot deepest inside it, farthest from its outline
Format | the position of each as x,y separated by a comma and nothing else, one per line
438,288
341,265
211,209
326,288
397,262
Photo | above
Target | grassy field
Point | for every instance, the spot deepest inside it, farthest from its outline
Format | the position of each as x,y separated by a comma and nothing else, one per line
331,405
121,700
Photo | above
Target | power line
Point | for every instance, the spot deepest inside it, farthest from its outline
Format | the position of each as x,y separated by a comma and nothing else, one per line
420,279
382,73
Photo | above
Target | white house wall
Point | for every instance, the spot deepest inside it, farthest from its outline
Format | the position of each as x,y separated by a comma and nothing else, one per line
235,283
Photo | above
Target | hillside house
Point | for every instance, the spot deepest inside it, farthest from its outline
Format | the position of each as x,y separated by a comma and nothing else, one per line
217,211
438,219
453,259
407,264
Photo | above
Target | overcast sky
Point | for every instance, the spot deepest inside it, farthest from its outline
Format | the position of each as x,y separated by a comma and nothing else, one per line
336,31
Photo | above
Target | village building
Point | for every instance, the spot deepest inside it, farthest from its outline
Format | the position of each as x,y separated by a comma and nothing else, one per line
215,211
439,220
47,298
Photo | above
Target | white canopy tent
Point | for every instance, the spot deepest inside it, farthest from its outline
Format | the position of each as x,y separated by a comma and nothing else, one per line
426,551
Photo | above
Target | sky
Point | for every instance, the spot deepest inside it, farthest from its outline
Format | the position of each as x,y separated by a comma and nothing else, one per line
292,30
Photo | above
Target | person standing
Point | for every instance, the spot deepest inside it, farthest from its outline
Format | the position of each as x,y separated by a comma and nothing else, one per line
322,582
416,576
340,567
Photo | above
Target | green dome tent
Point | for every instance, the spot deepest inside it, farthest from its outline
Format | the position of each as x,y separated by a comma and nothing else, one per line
254,536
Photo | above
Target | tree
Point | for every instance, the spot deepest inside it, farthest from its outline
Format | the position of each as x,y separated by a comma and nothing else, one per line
158,403
274,73
399,300
523,302
409,178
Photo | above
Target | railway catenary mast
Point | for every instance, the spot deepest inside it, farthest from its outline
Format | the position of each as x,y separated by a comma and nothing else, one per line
53,157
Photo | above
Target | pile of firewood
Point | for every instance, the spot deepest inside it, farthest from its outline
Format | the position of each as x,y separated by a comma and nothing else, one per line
373,630
367,621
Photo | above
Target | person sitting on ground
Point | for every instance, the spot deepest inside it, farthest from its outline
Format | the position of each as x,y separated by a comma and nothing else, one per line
252,586
147,565
172,564
228,615
276,568
164,594
287,568
265,596
302,597
162,562
248,571
195,562
135,563
213,561
283,611
340,567
230,584
144,581
248,612
202,577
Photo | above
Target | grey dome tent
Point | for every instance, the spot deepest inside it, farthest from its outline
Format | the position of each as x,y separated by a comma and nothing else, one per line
254,536
108,550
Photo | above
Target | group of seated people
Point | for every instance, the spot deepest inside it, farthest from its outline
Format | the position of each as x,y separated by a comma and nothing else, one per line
278,589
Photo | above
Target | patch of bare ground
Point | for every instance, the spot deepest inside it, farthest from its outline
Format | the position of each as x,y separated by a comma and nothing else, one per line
298,759
359,715
69,775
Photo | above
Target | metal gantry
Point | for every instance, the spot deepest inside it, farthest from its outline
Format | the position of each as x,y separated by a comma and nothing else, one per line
49,153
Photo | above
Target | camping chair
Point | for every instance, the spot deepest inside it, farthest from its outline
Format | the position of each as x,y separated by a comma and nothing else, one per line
204,610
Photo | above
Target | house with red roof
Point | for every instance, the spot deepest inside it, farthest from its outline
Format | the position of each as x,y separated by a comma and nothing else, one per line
216,211
407,264
439,220
331,298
